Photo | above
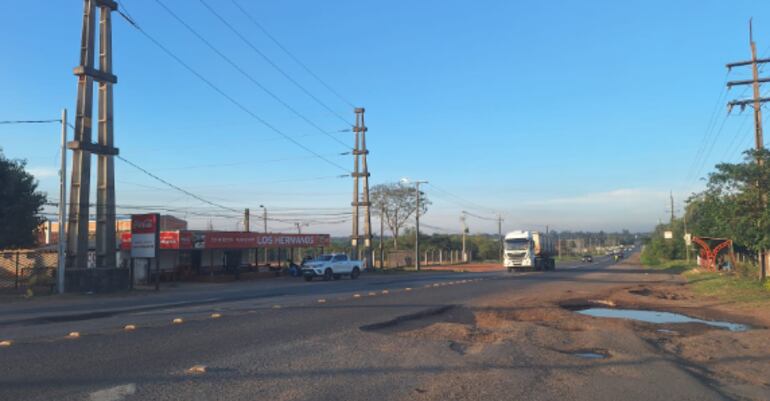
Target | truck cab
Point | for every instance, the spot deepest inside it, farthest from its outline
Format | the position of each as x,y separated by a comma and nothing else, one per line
527,250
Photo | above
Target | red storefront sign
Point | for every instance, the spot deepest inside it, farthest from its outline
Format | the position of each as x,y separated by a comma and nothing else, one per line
232,240
144,235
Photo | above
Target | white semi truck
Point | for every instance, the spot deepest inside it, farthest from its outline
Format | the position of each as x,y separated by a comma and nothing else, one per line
524,250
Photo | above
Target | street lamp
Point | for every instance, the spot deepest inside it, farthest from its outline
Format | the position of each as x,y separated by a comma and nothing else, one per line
416,220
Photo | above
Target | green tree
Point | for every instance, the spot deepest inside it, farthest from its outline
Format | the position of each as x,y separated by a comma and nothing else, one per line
20,205
397,202
735,202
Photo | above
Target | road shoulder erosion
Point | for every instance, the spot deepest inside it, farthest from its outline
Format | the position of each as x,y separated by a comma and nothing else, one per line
531,342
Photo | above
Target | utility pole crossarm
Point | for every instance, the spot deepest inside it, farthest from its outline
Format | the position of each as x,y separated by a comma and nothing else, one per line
730,84
748,62
745,102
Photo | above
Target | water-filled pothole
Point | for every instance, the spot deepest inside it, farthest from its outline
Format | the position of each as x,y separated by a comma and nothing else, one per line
589,355
659,317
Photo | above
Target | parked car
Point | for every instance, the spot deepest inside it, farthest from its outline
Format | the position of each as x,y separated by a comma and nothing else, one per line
587,259
331,266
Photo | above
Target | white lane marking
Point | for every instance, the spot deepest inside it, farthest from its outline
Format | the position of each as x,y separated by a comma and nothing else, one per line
116,393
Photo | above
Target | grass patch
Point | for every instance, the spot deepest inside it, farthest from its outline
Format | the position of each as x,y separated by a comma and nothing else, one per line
672,266
729,287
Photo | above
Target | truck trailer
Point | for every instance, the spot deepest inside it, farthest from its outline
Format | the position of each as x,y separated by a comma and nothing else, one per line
528,250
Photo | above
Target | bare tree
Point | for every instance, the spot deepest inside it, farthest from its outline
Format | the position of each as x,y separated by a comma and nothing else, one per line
397,202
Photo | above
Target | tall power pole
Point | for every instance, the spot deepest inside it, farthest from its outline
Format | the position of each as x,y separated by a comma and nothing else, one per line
671,197
246,220
465,231
361,170
62,246
500,235
82,147
355,174
756,103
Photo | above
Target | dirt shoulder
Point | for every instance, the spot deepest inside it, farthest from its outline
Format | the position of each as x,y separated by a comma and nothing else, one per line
579,354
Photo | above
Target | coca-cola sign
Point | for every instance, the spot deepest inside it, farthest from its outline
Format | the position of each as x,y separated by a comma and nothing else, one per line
145,233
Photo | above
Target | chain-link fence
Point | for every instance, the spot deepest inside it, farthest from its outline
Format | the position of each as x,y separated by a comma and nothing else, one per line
24,270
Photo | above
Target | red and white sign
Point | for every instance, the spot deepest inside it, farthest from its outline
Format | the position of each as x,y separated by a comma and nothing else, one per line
230,240
145,230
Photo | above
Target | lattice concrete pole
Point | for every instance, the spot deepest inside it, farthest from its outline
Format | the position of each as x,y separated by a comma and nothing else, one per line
365,201
105,195
77,231
355,203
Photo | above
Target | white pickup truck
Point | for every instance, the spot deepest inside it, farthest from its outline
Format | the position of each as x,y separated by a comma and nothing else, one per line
331,266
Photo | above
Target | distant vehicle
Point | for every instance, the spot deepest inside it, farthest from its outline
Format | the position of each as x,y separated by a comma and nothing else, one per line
331,266
587,259
528,250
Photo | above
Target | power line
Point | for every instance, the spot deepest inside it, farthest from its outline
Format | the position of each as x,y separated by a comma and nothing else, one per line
291,55
8,122
188,193
247,75
271,62
223,93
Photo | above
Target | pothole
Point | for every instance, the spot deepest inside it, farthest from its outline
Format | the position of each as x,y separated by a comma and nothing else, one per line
657,317
590,354
415,321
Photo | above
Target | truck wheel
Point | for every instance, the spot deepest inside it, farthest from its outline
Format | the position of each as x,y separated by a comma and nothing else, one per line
355,273
328,274
510,269
308,278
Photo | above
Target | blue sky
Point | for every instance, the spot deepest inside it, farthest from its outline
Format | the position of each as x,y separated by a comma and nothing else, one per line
574,114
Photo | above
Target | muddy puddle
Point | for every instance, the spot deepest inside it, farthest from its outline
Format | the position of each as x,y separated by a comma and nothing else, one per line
658,317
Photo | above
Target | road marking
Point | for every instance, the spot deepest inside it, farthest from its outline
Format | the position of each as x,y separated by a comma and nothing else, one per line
385,292
177,321
321,301
356,295
371,294
435,284
216,315
116,393
196,369
276,306
5,343
407,289
129,327
73,334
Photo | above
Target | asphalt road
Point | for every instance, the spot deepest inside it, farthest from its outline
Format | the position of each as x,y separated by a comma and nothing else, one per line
340,340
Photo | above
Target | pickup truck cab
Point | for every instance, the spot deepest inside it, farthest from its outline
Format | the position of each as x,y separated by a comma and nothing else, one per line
331,266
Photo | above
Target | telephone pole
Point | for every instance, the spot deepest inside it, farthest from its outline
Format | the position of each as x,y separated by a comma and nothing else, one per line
500,235
62,246
82,147
465,231
246,223
382,237
671,196
756,103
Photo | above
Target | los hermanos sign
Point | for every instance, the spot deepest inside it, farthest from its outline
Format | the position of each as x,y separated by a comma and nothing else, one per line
145,233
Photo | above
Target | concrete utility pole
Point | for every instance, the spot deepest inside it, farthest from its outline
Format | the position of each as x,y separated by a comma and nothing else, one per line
756,102
500,235
671,196
246,223
382,237
82,147
465,231
687,243
264,220
416,220
62,244
359,160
